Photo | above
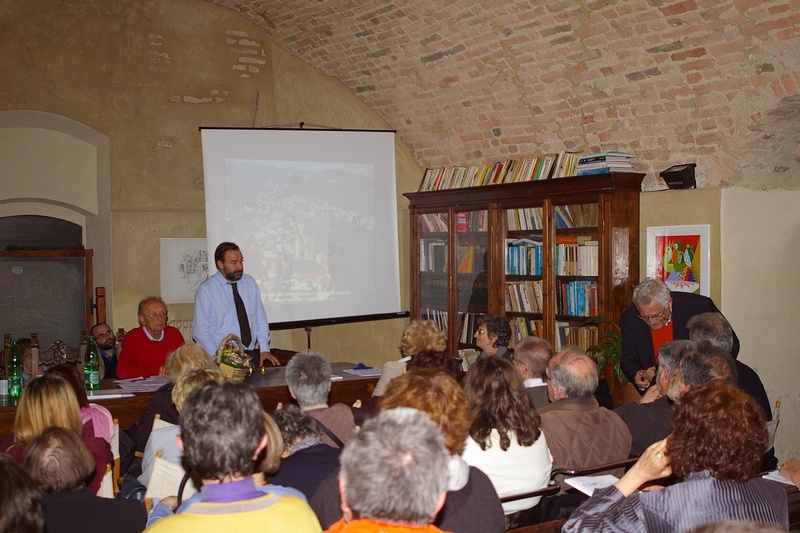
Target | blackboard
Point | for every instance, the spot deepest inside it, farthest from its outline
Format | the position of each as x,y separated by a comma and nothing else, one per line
47,292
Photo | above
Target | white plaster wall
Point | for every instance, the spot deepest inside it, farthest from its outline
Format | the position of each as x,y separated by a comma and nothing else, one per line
761,292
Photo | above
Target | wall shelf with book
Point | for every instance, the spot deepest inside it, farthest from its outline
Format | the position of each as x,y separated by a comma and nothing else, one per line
547,253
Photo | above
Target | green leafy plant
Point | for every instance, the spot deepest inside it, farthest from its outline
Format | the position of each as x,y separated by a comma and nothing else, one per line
609,349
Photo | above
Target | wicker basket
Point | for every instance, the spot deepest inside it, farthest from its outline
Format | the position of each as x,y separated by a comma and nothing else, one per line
232,360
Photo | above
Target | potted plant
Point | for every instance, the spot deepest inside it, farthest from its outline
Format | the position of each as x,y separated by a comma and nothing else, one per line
608,351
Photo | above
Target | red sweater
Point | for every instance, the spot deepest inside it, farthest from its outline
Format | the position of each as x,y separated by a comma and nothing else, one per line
140,356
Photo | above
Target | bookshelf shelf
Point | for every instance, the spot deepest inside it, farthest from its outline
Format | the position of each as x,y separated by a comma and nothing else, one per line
545,254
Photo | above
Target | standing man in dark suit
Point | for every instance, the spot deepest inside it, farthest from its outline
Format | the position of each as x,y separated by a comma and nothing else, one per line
531,356
657,316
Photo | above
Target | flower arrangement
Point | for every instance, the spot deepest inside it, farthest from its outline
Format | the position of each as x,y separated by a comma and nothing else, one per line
232,360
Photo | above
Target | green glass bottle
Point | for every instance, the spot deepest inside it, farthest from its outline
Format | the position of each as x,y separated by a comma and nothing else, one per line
14,370
91,366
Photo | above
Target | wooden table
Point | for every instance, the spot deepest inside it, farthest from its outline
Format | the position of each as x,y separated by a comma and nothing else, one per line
271,388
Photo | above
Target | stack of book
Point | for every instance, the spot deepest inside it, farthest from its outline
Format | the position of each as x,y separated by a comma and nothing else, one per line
604,162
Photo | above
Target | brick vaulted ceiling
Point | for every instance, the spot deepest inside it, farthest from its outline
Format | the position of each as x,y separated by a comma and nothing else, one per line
472,81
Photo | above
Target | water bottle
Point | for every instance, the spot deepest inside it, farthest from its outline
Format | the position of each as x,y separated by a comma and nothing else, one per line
91,367
14,370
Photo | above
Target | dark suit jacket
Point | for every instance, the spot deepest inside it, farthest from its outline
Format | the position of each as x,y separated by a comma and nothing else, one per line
637,343
647,422
80,511
538,396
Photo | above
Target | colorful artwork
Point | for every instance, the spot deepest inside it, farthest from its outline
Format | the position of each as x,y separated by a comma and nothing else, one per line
677,267
679,256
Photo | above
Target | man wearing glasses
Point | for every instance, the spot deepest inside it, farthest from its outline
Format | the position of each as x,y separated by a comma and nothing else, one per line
144,349
657,316
107,346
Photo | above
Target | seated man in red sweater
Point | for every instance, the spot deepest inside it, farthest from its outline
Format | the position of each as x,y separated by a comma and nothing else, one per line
145,348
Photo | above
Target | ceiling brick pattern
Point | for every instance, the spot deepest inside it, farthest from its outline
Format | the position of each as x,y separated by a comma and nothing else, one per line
475,81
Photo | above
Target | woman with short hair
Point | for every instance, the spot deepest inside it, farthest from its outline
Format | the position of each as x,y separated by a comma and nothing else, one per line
59,463
716,445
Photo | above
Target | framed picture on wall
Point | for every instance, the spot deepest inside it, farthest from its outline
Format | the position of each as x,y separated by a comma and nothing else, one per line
184,266
680,256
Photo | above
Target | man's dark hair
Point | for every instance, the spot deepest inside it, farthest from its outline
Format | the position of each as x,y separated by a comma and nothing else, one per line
713,328
707,363
221,427
219,253
295,425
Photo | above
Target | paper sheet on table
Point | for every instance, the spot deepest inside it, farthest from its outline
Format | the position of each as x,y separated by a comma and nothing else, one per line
589,484
150,384
775,476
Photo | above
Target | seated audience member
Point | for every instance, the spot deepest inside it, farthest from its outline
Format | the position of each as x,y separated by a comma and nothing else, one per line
308,376
423,345
222,434
736,526
657,317
267,463
165,440
715,446
144,349
579,432
531,356
60,464
648,418
20,500
506,441
185,359
306,461
492,337
472,505
394,475
715,329
49,401
107,347
97,420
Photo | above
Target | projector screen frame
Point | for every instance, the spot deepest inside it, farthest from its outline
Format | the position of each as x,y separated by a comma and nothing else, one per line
314,322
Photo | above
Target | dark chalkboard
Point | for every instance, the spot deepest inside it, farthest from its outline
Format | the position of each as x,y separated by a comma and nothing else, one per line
47,292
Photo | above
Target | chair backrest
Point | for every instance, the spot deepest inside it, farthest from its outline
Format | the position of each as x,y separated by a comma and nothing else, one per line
625,464
57,353
106,489
158,423
165,480
115,454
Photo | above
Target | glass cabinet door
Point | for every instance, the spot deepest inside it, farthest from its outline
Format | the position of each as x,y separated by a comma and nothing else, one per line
433,259
471,270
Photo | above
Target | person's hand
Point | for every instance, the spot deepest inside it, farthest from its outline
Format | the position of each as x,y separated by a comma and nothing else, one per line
266,356
652,394
653,464
163,370
791,470
641,380
170,501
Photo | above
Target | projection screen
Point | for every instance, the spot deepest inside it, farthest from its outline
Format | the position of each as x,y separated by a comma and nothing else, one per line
315,215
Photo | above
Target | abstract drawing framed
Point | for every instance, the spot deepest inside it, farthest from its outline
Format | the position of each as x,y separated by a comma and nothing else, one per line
680,256
184,265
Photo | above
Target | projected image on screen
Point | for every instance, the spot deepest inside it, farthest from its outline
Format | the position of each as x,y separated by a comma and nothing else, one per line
301,206
314,213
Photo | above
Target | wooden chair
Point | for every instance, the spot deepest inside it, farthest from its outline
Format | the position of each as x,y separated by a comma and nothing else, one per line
165,480
57,353
115,454
772,425
106,489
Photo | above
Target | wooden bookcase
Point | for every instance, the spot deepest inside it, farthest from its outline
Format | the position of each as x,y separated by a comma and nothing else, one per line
461,267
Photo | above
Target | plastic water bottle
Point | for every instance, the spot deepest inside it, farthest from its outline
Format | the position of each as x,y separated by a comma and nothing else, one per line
91,367
14,370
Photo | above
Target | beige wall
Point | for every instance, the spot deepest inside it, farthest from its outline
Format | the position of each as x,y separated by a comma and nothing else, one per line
147,76
760,295
754,281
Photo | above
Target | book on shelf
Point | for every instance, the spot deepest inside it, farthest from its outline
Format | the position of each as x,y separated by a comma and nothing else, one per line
602,156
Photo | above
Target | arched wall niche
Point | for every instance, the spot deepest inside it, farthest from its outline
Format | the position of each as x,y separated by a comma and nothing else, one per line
53,166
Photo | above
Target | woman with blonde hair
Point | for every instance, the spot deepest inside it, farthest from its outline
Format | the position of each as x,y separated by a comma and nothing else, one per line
49,401
185,359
